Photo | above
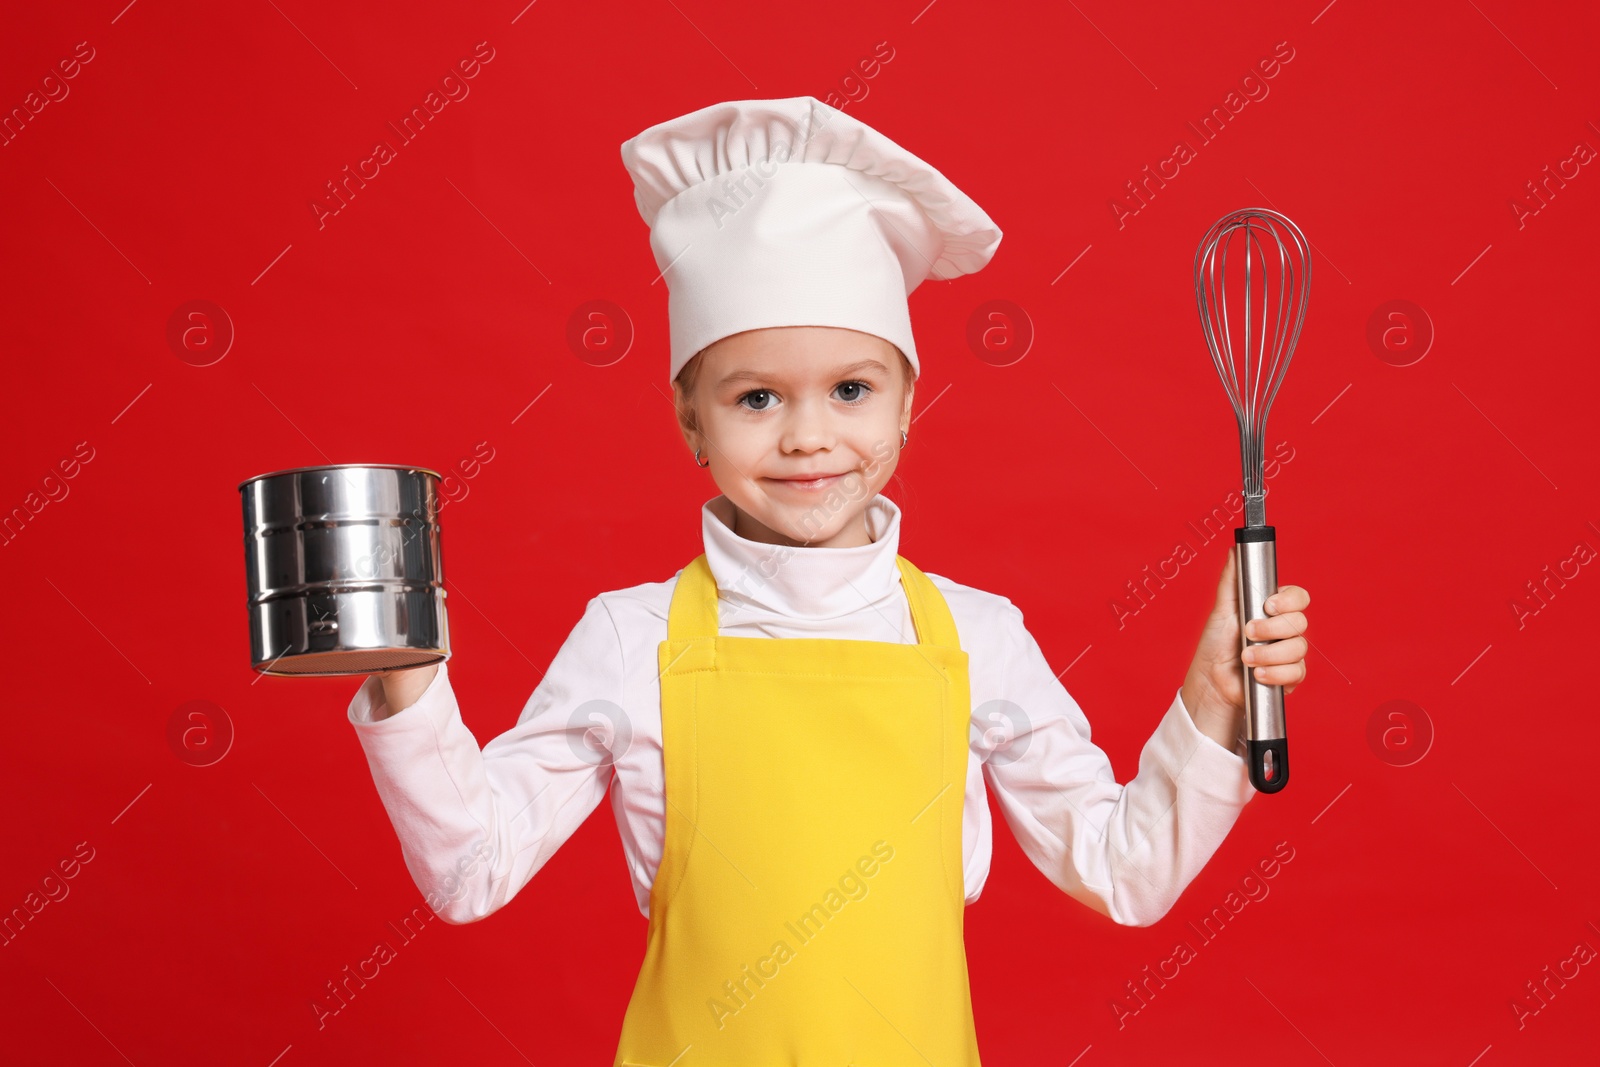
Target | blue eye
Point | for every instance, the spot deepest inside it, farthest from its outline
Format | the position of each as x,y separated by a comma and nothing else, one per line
761,399
862,389
764,393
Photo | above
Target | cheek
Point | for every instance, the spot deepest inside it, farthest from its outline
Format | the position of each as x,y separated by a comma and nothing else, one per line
879,444
734,435
878,470
740,447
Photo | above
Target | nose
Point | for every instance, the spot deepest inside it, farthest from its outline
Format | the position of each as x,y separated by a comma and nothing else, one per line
808,428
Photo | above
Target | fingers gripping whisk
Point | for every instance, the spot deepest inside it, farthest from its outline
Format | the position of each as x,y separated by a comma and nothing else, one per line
1252,273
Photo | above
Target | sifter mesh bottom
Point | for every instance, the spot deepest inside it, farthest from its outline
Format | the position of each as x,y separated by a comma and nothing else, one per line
353,661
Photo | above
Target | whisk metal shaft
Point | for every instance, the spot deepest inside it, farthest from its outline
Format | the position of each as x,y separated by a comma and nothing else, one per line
1277,277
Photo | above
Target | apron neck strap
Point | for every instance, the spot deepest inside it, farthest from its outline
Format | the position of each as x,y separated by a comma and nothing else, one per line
693,611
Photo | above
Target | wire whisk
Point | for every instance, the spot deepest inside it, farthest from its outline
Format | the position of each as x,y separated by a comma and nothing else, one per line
1252,322
1252,274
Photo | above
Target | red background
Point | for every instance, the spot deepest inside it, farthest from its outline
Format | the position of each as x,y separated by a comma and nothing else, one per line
428,313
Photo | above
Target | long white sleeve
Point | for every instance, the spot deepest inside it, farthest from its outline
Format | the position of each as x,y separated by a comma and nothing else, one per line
475,825
1127,851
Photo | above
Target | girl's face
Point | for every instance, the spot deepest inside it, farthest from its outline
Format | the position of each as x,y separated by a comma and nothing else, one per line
801,425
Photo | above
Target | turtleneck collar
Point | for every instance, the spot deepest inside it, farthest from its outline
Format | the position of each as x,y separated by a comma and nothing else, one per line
802,585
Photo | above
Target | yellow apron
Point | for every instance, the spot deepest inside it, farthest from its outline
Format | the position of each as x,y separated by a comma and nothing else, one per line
809,904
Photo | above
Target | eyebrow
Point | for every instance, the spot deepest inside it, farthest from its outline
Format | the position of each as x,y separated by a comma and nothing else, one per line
842,372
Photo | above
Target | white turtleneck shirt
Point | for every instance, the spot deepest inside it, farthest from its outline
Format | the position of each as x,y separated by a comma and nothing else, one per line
476,824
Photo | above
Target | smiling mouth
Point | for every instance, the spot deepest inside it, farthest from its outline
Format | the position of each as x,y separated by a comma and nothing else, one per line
808,484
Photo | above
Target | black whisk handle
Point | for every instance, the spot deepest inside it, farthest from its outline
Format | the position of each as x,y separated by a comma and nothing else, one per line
1257,566
1269,757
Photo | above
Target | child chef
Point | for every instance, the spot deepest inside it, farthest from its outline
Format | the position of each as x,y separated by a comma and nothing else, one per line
802,727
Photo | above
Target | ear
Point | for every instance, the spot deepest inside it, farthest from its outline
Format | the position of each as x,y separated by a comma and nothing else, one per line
684,408
905,411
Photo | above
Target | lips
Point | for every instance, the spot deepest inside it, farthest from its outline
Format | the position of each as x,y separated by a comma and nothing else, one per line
813,482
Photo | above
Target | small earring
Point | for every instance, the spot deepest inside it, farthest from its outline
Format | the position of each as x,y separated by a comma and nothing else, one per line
903,439
697,462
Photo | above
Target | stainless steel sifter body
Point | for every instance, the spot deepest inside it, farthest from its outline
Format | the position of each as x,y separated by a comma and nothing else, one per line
343,569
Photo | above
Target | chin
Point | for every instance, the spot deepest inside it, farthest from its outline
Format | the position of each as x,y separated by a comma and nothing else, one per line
815,523
810,518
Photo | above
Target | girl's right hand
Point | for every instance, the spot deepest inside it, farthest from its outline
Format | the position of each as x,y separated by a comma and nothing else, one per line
402,688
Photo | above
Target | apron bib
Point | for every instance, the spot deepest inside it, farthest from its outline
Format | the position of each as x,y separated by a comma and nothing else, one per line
808,909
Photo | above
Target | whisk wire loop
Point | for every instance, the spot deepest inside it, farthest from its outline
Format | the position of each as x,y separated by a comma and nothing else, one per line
1276,280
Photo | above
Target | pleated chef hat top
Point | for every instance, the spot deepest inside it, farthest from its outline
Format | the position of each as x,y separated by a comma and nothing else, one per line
793,213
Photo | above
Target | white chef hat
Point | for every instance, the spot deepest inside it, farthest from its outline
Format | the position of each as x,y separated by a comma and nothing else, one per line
793,213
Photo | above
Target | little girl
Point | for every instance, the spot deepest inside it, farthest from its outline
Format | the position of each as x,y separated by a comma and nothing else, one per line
802,727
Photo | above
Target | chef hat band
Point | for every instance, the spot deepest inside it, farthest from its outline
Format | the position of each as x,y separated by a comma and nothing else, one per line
790,213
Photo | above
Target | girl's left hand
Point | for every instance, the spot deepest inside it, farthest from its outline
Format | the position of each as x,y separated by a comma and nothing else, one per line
1213,689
